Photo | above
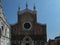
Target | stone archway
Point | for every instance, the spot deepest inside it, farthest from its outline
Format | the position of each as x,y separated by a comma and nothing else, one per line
27,40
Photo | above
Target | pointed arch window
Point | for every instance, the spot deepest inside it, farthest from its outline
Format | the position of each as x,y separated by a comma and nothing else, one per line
5,31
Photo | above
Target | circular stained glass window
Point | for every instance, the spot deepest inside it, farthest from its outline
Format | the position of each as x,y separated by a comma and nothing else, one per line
27,25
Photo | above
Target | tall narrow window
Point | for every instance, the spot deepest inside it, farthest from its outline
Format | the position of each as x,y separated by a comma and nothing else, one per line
2,27
0,32
5,31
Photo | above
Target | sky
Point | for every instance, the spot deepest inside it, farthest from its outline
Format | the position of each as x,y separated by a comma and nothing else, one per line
48,12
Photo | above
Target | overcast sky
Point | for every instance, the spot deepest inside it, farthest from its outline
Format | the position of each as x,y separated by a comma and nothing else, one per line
48,12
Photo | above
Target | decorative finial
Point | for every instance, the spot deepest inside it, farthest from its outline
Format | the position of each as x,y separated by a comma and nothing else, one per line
18,8
34,5
26,4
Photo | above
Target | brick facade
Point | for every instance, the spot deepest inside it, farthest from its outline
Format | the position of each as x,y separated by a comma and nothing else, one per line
34,32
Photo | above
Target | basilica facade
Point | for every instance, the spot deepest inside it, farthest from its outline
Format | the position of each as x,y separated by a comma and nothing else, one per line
27,31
